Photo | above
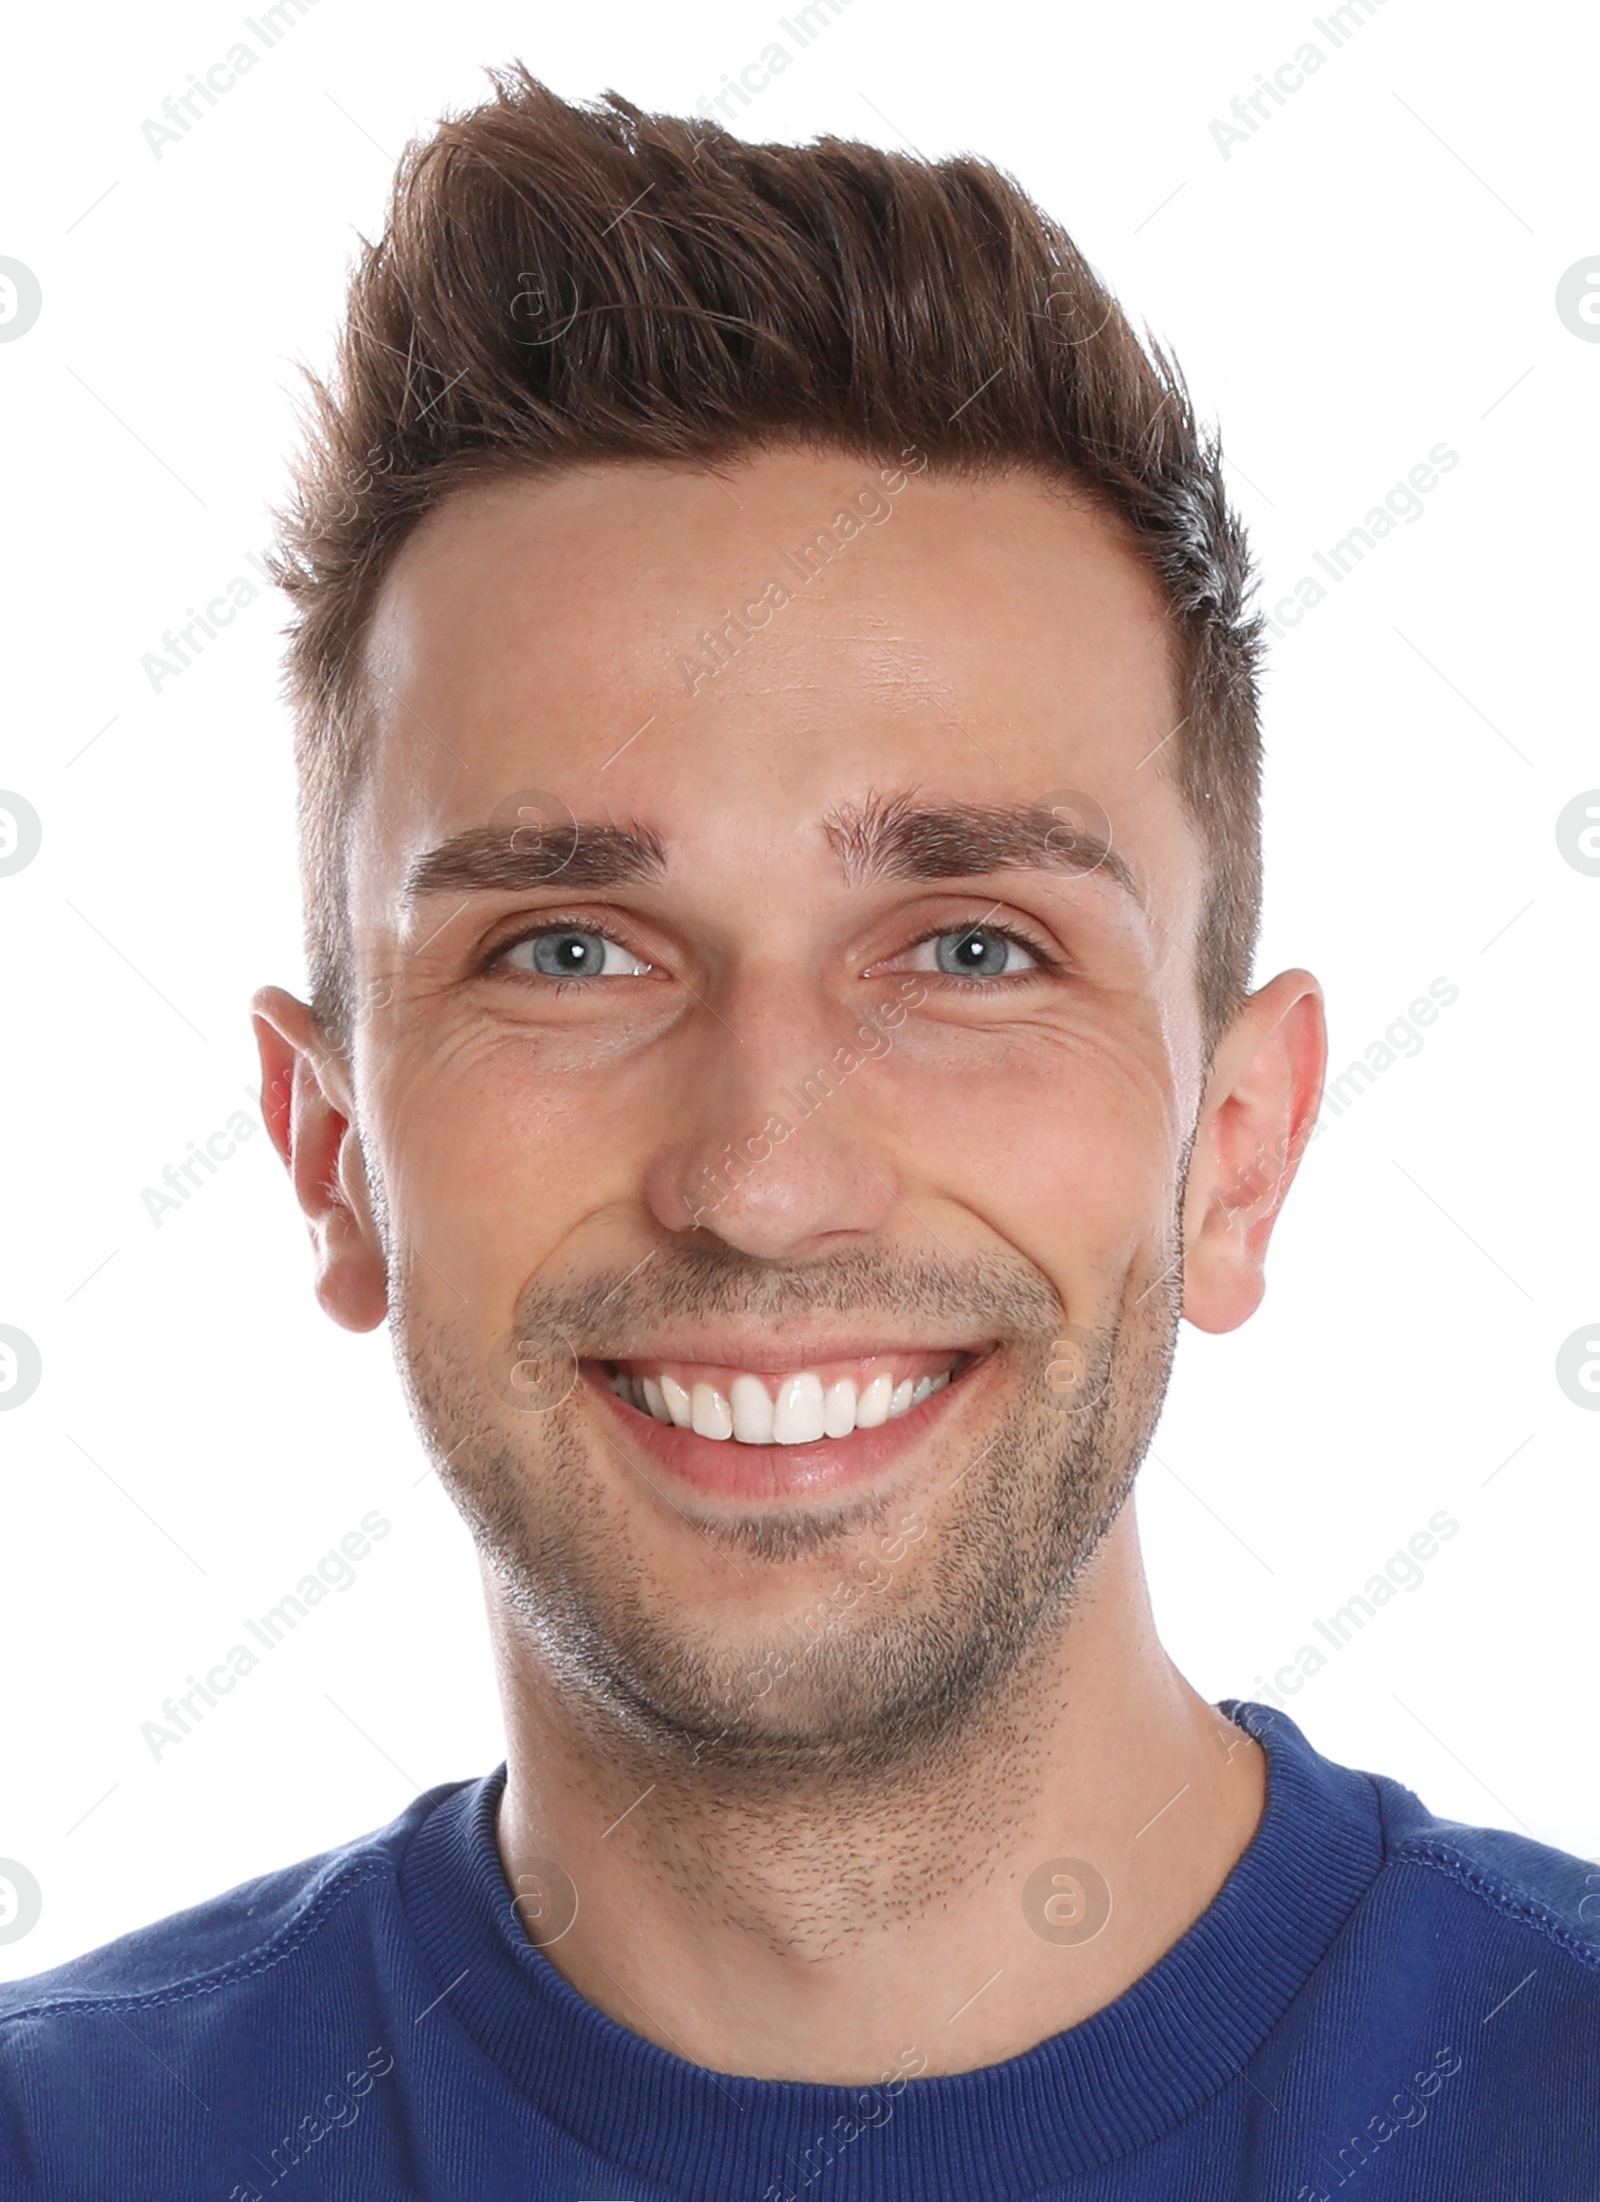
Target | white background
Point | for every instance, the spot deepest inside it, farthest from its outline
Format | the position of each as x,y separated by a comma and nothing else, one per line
1373,272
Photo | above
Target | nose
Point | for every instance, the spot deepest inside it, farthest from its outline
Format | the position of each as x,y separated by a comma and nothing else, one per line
777,1140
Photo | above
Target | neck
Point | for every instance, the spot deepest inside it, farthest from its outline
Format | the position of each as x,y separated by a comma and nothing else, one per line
934,1926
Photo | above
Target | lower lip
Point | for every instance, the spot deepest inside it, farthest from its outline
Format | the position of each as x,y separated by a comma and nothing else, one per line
723,1468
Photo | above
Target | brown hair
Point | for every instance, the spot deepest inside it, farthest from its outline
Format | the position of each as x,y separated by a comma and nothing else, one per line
559,284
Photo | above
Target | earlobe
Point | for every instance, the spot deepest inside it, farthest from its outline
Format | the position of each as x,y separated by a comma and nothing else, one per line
307,1110
1258,1113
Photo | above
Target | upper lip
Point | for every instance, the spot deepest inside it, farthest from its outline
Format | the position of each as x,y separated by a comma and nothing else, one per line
768,1357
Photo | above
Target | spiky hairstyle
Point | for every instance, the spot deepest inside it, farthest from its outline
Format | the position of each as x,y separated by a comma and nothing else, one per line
558,284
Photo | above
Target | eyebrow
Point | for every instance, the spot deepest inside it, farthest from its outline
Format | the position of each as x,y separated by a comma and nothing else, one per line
894,837
509,858
883,838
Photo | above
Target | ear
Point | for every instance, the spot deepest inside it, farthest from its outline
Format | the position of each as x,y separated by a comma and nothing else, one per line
305,1102
1259,1110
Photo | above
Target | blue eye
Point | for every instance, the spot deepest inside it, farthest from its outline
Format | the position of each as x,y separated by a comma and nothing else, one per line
572,952
976,952
569,955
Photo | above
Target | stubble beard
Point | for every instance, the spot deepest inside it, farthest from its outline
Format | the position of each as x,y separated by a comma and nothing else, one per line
895,1685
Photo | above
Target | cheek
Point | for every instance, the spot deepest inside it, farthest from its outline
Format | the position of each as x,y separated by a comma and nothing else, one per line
491,1158
1061,1141
1065,1143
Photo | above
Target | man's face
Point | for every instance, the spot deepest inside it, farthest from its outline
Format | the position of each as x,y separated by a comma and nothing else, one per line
822,1078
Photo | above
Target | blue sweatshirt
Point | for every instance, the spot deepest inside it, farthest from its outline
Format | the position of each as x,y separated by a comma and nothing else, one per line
1376,2000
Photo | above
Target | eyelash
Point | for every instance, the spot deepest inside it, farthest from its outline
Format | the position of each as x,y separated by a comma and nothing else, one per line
555,923
1042,956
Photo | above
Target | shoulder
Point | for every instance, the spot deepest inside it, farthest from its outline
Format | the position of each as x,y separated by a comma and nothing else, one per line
214,2024
1512,1879
230,1938
1444,1893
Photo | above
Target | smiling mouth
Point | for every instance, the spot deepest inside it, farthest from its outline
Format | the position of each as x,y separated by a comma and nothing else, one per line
804,1406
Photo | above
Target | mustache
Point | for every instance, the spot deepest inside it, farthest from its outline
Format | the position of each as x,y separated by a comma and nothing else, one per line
606,1313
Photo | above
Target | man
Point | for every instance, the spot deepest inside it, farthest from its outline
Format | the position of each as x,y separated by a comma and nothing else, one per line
777,731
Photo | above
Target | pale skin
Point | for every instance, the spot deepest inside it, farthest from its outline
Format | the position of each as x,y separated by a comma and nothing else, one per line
986,644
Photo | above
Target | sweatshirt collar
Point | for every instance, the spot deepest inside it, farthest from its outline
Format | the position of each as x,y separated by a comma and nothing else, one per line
1114,2083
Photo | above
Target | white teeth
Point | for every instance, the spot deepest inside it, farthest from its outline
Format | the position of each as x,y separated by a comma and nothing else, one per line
709,1412
839,1408
798,1412
873,1406
803,1411
752,1411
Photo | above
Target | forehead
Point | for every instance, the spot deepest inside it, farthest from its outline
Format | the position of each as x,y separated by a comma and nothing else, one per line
730,657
